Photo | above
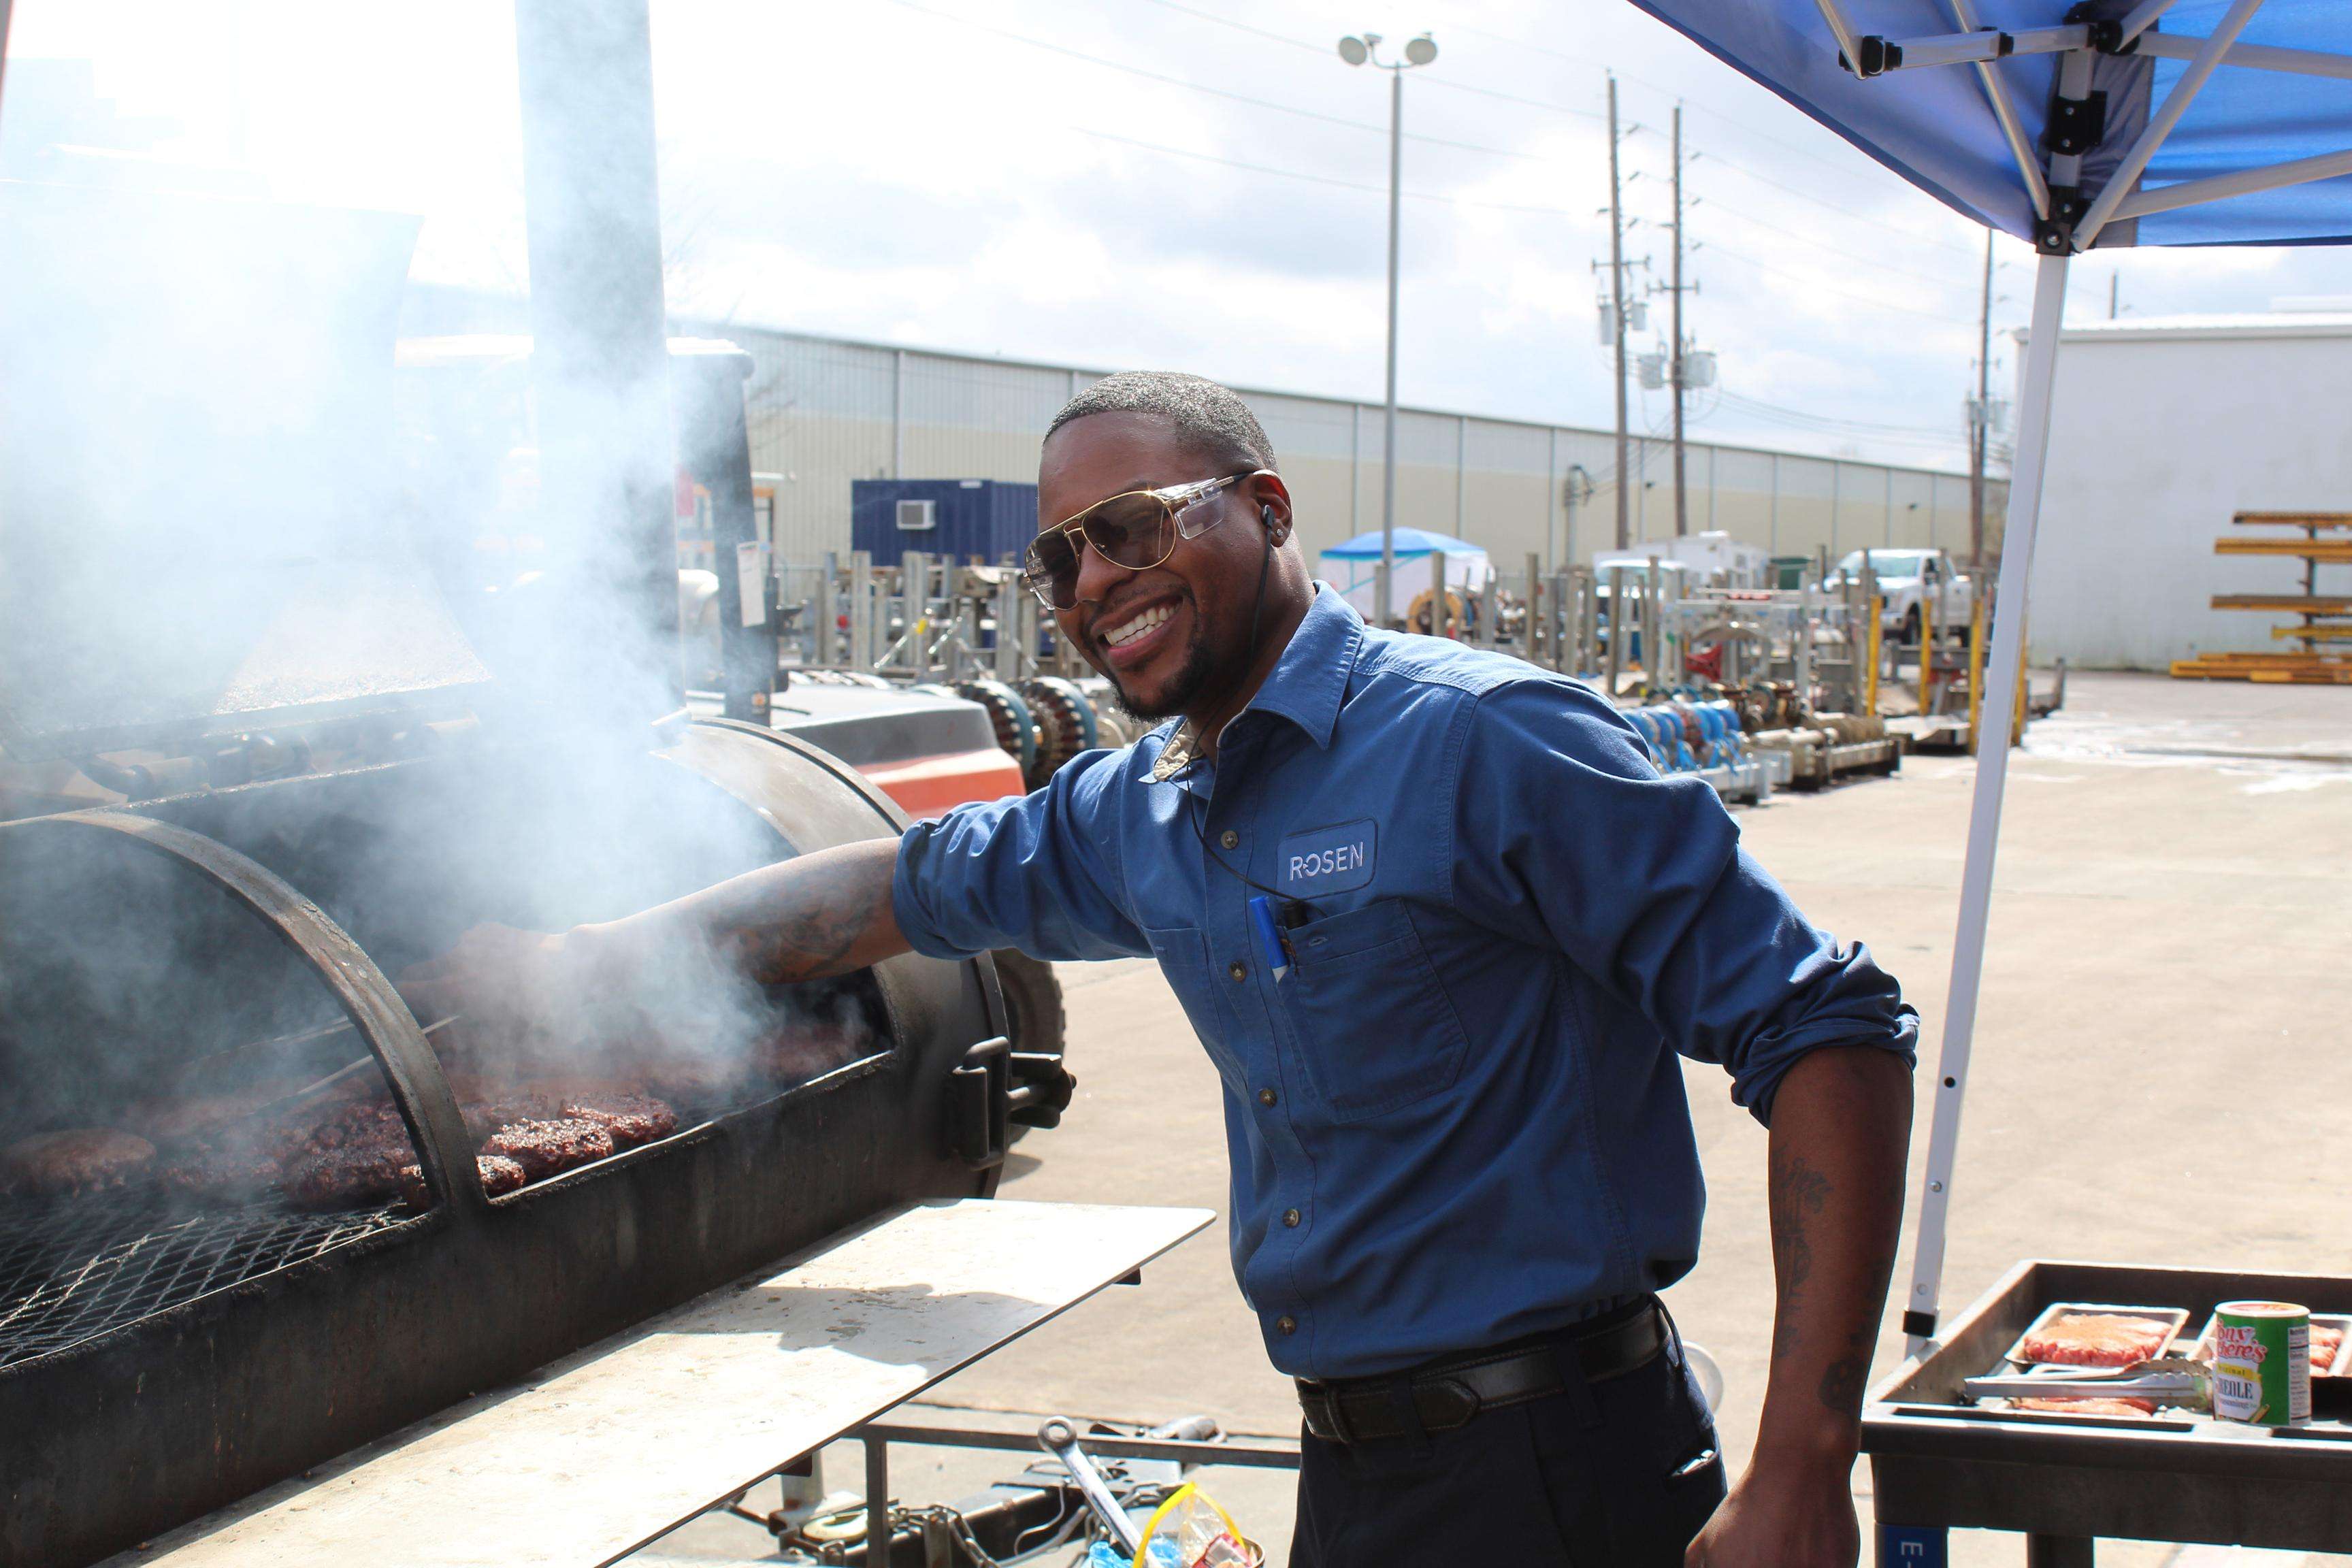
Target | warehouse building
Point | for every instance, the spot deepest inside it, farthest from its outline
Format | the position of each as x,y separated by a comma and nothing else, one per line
825,411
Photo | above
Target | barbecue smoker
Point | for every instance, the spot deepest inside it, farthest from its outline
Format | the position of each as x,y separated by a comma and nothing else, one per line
318,765
167,1348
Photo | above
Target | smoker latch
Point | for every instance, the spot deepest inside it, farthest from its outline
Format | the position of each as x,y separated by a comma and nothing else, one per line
1042,1087
980,1096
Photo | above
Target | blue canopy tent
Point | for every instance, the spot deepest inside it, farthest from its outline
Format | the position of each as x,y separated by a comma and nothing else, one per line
2109,123
1352,566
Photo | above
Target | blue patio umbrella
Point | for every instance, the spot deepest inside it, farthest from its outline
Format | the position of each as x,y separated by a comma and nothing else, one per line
2107,123
1409,541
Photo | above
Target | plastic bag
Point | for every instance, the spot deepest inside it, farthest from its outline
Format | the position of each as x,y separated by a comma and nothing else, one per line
1190,1530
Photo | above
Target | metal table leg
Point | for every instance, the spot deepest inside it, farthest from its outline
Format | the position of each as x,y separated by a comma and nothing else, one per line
2059,1552
877,1501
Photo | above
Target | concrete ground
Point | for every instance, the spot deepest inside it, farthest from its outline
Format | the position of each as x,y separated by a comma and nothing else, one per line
2160,1073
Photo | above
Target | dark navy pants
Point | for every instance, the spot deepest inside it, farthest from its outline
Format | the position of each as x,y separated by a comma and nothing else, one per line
1601,1476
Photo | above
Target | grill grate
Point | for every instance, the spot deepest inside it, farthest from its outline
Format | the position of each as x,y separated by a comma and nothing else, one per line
72,1269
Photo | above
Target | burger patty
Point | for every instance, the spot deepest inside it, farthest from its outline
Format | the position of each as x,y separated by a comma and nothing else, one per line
633,1119
77,1160
499,1175
485,1117
544,1148
235,1174
197,1116
345,1178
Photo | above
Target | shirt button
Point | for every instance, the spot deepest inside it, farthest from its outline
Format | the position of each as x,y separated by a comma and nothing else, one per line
1290,1219
1229,838
1265,1096
1238,970
1286,1323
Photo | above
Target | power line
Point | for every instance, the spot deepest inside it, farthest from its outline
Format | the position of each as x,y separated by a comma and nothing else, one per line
1215,92
1874,304
1715,204
1242,28
1819,200
1735,123
1878,223
1832,421
1775,417
1514,98
1323,179
1163,78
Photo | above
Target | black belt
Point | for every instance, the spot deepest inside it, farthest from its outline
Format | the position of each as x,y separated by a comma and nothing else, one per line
1448,1392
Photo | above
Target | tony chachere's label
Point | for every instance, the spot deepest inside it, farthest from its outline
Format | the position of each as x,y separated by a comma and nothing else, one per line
1327,859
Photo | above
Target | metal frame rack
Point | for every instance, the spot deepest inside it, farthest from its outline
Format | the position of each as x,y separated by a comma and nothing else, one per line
2325,627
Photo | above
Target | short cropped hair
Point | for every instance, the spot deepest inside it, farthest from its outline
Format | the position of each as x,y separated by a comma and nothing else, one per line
1208,418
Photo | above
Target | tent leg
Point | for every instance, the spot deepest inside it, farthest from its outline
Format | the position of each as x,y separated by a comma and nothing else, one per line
2002,688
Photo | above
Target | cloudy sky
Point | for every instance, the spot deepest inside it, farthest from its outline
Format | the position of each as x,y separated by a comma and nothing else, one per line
1188,182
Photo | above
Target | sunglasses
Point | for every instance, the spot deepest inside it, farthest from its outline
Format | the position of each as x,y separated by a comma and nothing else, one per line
1137,529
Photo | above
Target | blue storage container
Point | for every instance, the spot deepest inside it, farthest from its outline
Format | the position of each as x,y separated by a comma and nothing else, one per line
988,521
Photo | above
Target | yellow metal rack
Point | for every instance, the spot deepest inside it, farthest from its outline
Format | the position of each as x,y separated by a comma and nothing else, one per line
2326,618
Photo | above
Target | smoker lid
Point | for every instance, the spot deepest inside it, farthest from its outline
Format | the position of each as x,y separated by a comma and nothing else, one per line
200,521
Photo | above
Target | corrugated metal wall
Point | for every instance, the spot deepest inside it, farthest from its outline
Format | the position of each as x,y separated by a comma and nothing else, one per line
826,412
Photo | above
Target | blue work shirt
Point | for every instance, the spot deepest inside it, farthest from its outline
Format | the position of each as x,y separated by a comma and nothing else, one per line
1458,1118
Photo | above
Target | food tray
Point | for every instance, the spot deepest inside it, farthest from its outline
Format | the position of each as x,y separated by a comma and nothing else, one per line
2173,1319
2340,1367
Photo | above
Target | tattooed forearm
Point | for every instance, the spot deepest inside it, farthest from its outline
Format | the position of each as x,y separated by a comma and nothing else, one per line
815,937
806,919
1840,1125
1799,1194
1841,1386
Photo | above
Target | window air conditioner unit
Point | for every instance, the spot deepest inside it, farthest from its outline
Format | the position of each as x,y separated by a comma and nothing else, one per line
916,515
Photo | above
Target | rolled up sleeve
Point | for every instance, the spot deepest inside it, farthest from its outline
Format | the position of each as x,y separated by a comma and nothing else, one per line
1038,872
1566,836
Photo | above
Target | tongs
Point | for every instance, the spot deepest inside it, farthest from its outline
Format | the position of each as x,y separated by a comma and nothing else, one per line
2169,1380
280,1043
336,1076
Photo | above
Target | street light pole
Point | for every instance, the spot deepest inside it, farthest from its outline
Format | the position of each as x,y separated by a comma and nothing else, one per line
1386,608
1419,52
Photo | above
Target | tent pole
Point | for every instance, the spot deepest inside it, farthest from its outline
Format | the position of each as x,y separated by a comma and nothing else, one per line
2221,187
2004,112
2142,17
2002,691
1841,30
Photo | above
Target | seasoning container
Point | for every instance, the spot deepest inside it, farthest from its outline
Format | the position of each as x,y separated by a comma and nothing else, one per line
2261,1363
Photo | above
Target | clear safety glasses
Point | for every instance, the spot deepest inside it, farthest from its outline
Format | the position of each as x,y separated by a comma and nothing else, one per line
1137,529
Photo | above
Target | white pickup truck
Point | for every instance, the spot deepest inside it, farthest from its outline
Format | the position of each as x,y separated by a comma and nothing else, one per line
1907,581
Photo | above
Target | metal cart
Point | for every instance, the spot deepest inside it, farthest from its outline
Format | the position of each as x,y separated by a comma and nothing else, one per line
1938,1462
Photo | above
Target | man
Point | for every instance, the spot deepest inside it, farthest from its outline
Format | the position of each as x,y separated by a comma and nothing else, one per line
1443,928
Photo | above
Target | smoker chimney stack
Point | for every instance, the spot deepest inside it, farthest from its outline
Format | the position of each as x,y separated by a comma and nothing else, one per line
600,361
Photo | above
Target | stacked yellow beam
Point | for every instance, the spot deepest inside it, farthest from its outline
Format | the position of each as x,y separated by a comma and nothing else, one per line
2326,618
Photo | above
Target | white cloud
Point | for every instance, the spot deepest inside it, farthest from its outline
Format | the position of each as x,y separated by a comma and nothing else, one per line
943,173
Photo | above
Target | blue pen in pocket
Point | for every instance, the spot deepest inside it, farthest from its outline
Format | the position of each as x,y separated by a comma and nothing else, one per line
1271,945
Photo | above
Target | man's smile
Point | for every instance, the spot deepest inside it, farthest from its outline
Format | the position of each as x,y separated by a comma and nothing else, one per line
1132,632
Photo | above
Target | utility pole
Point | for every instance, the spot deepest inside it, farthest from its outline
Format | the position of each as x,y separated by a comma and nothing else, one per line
1617,319
1674,357
1981,423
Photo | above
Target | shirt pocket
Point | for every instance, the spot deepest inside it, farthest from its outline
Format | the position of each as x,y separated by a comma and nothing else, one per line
1374,1025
